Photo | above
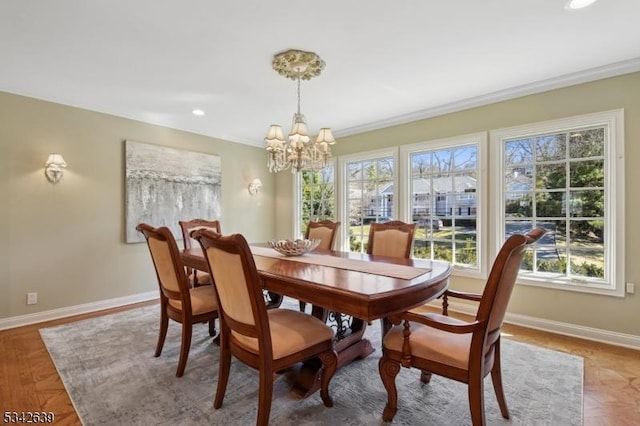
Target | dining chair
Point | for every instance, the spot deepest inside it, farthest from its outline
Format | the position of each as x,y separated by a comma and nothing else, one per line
325,231
267,340
465,351
178,301
392,239
196,277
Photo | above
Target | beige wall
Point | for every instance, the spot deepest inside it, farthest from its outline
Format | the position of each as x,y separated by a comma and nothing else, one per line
66,241
601,312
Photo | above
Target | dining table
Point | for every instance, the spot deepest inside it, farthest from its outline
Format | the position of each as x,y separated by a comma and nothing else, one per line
347,290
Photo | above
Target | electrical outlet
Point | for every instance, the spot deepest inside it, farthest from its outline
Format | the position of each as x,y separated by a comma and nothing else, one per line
631,288
32,298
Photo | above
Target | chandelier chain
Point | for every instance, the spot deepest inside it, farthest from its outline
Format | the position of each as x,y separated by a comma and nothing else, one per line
298,93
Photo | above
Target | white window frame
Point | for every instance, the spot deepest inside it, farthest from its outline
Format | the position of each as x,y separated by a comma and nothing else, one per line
479,139
614,255
297,196
341,177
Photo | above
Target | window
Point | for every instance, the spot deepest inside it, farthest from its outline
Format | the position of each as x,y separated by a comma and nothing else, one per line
444,186
316,197
369,181
566,176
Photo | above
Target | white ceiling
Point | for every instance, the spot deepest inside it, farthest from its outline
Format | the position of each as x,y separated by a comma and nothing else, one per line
387,61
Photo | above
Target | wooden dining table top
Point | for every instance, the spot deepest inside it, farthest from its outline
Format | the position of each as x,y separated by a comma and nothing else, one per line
344,289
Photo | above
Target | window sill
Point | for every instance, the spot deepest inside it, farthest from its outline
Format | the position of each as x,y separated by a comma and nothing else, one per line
567,285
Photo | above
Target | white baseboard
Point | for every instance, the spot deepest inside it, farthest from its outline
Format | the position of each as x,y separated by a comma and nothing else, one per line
21,320
594,334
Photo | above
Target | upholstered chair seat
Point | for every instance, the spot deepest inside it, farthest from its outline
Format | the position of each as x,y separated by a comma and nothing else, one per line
291,332
197,278
434,344
203,299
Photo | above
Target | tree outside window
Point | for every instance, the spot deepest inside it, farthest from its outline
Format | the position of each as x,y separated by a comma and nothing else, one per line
317,193
557,181
567,176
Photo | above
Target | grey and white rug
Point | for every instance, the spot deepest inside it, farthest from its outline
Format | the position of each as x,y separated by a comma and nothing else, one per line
108,368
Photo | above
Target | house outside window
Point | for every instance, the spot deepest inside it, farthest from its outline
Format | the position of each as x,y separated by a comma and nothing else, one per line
566,176
445,189
369,195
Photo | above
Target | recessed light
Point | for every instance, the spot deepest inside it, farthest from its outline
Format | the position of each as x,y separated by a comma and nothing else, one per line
578,4
198,112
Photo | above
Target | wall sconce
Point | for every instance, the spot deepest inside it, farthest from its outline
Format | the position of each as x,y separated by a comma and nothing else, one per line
254,186
53,167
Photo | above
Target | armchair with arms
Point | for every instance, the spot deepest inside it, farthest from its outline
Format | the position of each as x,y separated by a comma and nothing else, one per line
463,351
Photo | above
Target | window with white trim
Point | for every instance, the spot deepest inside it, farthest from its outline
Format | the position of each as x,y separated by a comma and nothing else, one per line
369,194
316,195
444,186
566,176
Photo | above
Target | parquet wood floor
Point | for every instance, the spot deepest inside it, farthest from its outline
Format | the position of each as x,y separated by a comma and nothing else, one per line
30,382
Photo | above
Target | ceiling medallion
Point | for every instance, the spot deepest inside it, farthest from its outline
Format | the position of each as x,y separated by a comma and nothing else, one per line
298,63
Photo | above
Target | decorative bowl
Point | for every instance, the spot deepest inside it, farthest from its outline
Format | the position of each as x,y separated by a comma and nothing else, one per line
294,247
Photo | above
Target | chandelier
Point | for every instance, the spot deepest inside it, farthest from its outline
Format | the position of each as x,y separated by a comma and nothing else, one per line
299,152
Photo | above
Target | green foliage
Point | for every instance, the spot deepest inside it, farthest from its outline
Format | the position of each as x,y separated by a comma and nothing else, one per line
317,197
587,173
518,208
583,269
587,270
466,255
558,266
354,245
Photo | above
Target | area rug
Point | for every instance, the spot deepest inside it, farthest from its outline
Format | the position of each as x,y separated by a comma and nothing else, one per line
108,368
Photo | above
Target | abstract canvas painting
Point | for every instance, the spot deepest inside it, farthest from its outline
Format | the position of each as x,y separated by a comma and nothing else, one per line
165,185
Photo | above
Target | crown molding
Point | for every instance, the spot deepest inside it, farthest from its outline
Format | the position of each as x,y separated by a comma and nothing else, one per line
566,80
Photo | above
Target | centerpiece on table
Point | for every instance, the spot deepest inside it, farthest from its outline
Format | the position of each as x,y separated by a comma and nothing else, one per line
294,247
